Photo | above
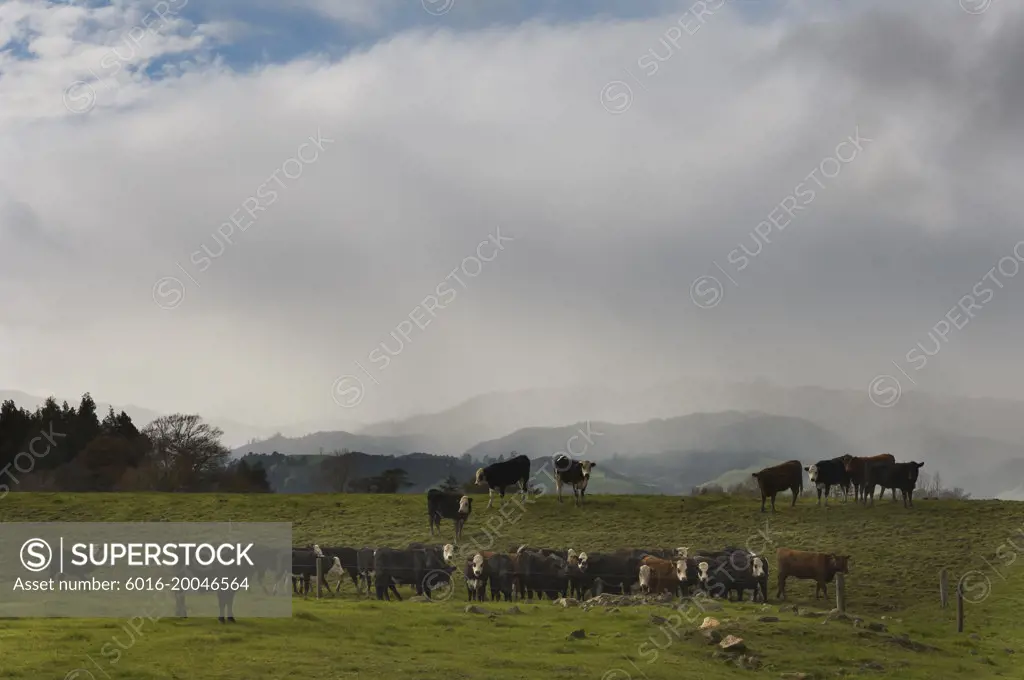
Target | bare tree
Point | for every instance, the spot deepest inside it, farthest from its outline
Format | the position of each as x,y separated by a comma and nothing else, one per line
184,449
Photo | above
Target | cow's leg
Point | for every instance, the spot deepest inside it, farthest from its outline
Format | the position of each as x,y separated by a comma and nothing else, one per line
501,493
763,497
558,487
490,497
828,488
796,492
395,591
780,591
909,498
773,502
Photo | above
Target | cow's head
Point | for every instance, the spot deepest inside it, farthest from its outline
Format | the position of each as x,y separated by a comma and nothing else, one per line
585,467
840,563
572,558
914,469
758,567
702,572
812,472
479,479
681,570
583,561
465,505
448,553
682,552
478,565
645,578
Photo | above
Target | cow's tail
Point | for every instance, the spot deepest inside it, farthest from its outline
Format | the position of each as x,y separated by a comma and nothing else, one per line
521,549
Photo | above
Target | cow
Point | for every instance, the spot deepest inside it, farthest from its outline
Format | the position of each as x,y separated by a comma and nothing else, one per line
506,473
422,568
574,472
772,480
441,505
736,571
819,567
543,574
228,577
855,469
828,473
657,575
609,572
502,571
477,575
364,567
348,557
902,476
304,567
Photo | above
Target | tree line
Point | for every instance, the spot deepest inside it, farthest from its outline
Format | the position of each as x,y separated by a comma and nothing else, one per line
58,447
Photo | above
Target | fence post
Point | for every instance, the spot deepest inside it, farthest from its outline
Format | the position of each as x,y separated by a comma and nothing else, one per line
944,588
319,576
841,593
959,609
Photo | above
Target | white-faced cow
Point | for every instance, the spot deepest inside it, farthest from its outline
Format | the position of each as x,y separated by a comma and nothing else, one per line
828,473
441,505
501,475
574,472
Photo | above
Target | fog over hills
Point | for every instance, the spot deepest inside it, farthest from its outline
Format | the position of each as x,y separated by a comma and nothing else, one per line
972,443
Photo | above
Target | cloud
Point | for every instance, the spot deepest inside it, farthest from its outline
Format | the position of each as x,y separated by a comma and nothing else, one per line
443,133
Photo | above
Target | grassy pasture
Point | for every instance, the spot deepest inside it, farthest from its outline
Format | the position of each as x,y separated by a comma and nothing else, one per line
896,557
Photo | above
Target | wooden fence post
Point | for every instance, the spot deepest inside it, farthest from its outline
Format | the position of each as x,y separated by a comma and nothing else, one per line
959,609
944,588
319,576
841,593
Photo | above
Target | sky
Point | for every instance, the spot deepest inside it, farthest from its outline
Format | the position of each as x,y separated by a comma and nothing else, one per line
363,209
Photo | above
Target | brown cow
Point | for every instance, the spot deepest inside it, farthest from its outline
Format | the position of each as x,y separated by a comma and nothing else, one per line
855,467
820,567
658,575
772,480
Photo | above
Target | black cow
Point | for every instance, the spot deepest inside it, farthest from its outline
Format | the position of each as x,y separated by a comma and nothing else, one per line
424,569
828,473
442,505
501,475
477,574
502,571
574,472
304,563
348,557
610,572
229,575
543,574
902,476
736,571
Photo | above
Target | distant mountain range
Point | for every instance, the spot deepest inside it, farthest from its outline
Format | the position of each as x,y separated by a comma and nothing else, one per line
684,433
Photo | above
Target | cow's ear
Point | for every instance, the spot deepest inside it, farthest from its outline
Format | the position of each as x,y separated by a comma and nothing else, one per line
593,465
920,465
807,469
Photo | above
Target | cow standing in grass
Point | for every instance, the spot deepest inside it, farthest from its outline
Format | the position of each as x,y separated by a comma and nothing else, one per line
772,480
441,505
501,475
819,567
856,468
826,474
574,472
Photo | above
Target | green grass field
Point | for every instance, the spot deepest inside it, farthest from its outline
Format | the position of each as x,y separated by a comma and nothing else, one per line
896,558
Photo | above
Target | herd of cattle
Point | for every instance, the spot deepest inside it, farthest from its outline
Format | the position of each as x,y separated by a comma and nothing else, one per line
525,572
863,474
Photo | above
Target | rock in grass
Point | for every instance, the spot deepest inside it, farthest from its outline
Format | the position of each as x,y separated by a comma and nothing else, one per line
473,609
577,634
709,622
767,619
731,643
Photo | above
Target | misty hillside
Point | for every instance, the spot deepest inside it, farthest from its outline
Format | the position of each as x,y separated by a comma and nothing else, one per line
963,438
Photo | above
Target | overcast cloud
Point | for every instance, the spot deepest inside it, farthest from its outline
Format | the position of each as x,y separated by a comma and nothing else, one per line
433,132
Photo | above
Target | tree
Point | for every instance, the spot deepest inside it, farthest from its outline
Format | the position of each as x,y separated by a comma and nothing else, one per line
451,485
337,469
185,450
